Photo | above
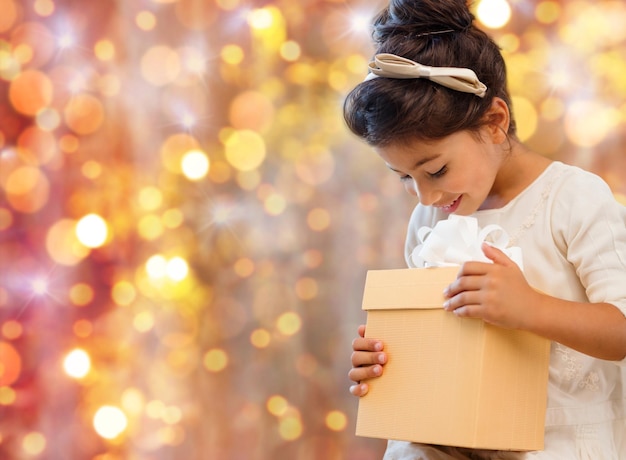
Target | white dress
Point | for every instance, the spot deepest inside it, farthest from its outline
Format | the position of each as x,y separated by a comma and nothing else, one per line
572,233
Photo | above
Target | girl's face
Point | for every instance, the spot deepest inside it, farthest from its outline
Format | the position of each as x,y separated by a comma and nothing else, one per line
456,174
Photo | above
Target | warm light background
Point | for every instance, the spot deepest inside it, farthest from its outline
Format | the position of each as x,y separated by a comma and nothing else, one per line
185,222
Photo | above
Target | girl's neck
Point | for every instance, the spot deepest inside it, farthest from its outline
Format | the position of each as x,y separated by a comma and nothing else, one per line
520,168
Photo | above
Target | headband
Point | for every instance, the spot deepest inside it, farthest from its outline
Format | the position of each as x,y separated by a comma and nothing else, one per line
456,78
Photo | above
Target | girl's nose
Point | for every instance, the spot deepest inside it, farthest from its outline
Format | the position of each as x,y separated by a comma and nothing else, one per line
426,194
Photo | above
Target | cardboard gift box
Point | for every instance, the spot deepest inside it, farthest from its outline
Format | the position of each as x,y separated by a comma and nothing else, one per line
448,380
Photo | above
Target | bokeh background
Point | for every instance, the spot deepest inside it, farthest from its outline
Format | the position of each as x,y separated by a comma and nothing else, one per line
185,222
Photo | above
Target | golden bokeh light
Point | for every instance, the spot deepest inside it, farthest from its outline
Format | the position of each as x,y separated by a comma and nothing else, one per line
84,114
245,150
336,420
92,230
30,92
10,364
160,65
110,422
34,443
77,363
81,294
12,330
289,323
63,245
215,360
195,165
494,13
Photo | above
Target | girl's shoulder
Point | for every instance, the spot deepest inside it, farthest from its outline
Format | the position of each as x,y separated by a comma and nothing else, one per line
572,183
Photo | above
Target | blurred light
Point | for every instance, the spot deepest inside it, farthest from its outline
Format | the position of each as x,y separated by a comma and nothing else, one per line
144,321
133,401
12,330
215,360
150,198
63,245
244,267
525,116
39,286
9,14
177,269
228,4
195,165
336,420
318,219
289,323
588,122
360,22
69,144
277,405
48,119
145,20
34,443
84,114
150,227
109,422
156,266
260,338
306,288
77,363
290,427
275,204
155,409
172,218
92,231
123,293
44,8
552,109
232,54
104,50
494,13
160,65
245,150
30,91
290,51
10,364
81,294
7,398
66,40
260,18
547,12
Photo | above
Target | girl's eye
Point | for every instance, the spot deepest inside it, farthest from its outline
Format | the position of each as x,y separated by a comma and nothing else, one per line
405,178
439,173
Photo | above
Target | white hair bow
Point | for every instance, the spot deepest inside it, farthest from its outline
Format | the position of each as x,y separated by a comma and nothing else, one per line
456,78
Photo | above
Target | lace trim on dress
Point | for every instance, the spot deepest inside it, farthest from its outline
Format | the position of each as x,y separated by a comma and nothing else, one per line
532,216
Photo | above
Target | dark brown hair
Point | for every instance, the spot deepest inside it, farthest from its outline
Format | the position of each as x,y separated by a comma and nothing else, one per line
434,33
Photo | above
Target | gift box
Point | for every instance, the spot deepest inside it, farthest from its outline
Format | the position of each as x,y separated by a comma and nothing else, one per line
449,380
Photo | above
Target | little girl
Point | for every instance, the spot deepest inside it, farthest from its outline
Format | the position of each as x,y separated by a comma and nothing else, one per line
435,107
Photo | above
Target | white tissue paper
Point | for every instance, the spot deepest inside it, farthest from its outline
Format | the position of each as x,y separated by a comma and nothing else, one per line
457,240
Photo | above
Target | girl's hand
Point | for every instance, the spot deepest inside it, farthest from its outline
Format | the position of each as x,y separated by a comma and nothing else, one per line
497,293
367,362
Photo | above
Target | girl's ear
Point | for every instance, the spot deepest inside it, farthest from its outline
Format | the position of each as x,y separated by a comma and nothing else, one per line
498,118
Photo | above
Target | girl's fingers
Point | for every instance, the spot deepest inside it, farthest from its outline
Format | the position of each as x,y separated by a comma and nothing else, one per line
359,389
357,374
366,358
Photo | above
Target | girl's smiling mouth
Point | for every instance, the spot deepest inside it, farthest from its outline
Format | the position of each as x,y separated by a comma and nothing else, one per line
450,208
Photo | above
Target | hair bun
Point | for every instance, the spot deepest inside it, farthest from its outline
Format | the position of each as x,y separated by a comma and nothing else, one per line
419,17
